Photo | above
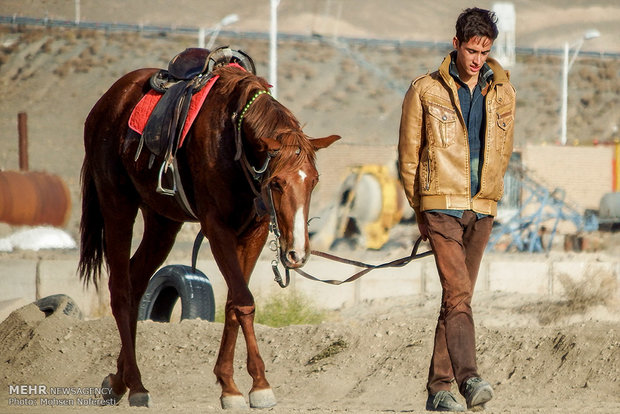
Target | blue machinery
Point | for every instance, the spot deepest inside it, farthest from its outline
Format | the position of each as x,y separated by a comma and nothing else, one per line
534,224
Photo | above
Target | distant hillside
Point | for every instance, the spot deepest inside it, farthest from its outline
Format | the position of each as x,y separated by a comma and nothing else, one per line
56,76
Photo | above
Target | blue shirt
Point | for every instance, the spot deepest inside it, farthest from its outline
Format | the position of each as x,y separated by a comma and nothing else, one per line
474,115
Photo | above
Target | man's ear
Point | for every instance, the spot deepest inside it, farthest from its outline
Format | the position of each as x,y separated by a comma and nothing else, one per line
455,42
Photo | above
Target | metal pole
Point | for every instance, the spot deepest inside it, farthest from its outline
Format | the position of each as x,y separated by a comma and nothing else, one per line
214,35
617,168
77,12
564,95
273,43
201,37
22,129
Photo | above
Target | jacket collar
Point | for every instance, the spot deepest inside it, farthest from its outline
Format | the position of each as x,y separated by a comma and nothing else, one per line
499,75
485,76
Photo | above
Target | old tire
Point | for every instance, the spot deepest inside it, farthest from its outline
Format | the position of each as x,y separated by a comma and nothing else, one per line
59,303
178,282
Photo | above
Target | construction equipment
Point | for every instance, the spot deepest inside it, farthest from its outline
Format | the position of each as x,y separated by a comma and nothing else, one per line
534,224
368,205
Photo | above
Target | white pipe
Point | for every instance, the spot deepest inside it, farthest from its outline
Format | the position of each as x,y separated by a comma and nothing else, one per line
564,95
273,44
201,37
77,12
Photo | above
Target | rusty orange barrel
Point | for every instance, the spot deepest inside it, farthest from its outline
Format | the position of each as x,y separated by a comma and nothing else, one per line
33,198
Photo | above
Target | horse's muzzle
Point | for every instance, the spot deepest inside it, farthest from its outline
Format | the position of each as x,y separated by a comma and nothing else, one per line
294,259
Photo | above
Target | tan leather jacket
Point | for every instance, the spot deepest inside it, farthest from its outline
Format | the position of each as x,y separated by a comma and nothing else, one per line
433,150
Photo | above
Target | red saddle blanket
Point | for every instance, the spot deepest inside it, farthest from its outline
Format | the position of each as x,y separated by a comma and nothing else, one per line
142,111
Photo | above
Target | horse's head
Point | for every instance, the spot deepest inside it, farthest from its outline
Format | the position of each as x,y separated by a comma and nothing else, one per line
293,176
271,137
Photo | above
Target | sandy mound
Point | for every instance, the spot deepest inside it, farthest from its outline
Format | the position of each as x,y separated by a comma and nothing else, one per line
371,358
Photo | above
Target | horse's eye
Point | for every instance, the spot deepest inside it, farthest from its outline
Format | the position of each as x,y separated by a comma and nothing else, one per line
276,186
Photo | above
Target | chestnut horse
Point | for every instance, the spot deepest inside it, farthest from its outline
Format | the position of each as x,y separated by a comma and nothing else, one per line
222,196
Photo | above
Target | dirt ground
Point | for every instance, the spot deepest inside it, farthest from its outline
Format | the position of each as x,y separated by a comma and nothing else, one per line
541,356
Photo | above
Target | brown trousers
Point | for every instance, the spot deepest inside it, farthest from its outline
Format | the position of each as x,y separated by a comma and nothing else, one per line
458,246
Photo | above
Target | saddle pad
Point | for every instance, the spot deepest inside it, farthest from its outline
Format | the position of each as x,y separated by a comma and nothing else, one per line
142,111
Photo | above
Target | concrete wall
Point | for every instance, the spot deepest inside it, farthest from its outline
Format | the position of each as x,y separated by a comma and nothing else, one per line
24,281
585,173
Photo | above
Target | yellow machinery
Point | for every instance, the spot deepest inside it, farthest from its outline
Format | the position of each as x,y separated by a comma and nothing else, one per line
370,203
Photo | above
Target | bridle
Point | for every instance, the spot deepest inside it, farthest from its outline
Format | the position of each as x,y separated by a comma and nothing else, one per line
256,176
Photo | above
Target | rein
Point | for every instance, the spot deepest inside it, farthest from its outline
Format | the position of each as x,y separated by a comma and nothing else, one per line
367,267
254,175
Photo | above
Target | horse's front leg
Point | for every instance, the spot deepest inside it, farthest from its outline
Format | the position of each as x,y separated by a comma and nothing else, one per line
231,396
261,394
240,312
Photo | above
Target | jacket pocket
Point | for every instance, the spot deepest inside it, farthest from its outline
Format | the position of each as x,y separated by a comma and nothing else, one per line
504,124
424,178
441,125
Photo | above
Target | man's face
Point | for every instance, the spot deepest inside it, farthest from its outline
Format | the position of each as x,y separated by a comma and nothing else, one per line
471,55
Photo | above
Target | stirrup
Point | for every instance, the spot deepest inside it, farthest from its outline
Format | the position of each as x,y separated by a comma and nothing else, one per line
160,188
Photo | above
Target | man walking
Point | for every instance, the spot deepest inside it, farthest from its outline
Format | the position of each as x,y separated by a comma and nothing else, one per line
455,141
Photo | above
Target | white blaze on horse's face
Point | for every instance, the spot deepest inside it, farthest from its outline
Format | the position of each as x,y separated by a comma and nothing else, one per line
295,200
299,230
300,222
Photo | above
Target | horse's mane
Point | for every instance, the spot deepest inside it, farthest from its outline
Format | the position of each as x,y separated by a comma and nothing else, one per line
267,117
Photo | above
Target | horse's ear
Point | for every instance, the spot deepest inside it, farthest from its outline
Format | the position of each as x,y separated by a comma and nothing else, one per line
319,143
271,144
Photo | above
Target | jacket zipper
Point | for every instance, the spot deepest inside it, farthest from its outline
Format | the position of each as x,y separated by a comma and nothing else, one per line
428,174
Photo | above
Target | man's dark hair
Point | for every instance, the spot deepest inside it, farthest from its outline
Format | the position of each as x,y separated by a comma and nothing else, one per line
475,22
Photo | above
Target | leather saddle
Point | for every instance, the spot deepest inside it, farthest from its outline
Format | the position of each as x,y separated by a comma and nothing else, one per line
187,73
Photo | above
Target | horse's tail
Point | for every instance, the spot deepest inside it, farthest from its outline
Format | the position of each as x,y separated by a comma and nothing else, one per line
91,230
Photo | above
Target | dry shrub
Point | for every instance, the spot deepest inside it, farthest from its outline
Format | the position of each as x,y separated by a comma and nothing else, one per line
64,69
109,59
94,49
70,37
609,70
47,46
32,36
597,288
84,65
87,34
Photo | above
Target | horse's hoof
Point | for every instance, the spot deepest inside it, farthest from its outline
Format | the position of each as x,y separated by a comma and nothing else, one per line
108,395
140,399
231,402
262,398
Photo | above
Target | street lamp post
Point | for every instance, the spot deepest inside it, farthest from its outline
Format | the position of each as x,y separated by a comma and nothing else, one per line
590,34
273,48
228,19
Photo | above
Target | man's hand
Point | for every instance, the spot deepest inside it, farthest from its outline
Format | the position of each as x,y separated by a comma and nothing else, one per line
423,228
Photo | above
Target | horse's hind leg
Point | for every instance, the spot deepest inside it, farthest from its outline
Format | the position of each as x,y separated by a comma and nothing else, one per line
119,215
158,239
